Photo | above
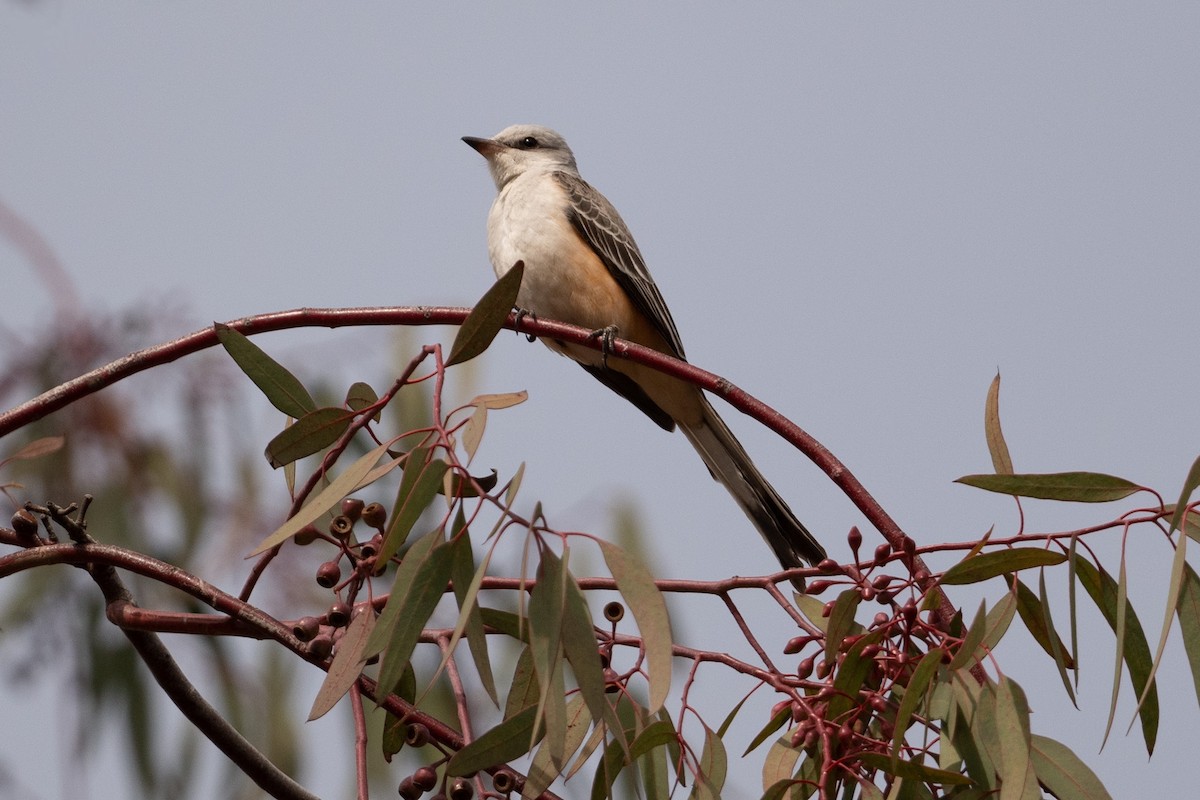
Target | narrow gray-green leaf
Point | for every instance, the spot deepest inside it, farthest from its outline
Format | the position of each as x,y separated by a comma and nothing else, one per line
310,434
1062,657
1017,779
1001,461
913,770
914,694
1188,611
841,622
279,386
1174,586
850,675
1063,773
1134,650
779,764
417,488
467,580
360,396
714,764
485,320
507,741
1037,622
650,612
581,649
965,657
422,597
347,664
1079,487
542,771
332,494
524,690
607,770
731,716
998,562
1185,495
656,734
998,620
777,721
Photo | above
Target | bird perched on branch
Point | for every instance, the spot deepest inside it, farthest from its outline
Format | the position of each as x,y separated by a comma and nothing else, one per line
583,267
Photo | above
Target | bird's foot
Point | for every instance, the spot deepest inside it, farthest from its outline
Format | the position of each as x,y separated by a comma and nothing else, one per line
606,336
522,313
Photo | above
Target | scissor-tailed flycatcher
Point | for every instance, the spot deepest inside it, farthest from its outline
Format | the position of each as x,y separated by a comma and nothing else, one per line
583,267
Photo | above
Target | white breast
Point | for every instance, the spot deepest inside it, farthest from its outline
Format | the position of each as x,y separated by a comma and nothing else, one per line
528,222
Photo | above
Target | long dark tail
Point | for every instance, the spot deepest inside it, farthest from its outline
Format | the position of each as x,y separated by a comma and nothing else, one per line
729,464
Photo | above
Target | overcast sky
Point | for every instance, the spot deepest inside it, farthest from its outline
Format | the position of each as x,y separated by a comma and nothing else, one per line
858,214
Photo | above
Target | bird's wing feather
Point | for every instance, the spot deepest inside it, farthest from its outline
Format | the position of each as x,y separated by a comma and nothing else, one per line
603,229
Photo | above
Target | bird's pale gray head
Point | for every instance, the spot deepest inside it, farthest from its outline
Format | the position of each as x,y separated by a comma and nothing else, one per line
520,148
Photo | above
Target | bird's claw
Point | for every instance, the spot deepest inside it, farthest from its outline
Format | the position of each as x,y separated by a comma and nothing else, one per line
606,337
522,313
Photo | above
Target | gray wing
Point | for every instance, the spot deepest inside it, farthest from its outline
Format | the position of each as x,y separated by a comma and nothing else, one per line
602,228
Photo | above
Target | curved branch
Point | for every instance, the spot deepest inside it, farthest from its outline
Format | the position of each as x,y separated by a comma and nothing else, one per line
142,360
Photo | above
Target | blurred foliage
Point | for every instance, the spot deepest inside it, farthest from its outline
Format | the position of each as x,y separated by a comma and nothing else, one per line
171,478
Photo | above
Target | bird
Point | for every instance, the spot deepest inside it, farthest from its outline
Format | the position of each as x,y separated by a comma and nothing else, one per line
582,266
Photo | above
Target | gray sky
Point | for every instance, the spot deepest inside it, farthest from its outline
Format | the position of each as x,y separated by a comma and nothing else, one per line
856,213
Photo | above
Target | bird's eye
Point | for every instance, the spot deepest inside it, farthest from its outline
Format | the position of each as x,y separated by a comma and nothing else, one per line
528,143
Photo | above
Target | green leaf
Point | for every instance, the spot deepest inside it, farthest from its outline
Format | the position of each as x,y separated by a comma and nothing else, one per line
547,608
841,622
965,657
417,602
913,770
507,741
281,387
1001,461
1188,612
777,721
542,771
730,717
1174,587
814,610
1037,620
1135,650
360,396
524,691
1063,774
779,764
347,664
998,562
650,612
455,485
467,580
581,649
417,488
310,434
1057,648
327,498
510,494
1185,495
1079,487
607,770
853,670
714,764
485,320
504,622
1017,777
998,620
656,734
914,694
